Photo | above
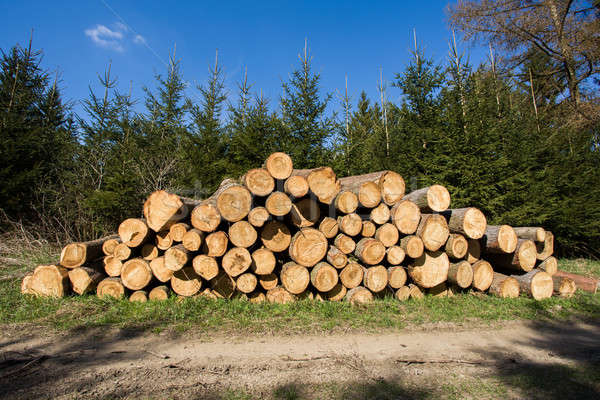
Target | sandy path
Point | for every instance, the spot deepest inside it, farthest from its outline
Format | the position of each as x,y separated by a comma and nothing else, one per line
115,363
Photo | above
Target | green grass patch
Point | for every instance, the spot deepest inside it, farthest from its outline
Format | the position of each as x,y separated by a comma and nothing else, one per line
583,266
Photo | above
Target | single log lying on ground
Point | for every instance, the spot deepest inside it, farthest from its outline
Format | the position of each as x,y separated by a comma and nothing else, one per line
563,286
279,165
412,246
350,224
308,247
294,278
278,204
186,282
263,261
380,214
370,251
430,269
368,229
84,279
483,274
456,246
112,287
546,248
323,277
460,274
550,265
336,258
160,272
406,216
258,216
387,234
246,283
395,255
280,295
346,202
192,239
305,213
322,182
432,198
242,234
177,257
49,281
359,295
236,261
536,234
75,255
467,221
108,247
500,239
178,230
536,283
584,283
215,244
396,277
159,293
276,236
140,296
352,275
523,259
136,274
433,231
504,286
205,266
259,182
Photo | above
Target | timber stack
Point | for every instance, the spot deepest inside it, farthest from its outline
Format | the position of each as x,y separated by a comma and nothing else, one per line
279,234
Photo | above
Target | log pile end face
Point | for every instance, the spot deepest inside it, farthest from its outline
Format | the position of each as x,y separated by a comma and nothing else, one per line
234,203
161,209
438,198
392,188
279,165
430,269
308,247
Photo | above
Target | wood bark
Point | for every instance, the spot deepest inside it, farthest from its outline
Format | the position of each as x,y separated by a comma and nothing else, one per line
370,251
75,255
536,283
242,234
523,259
263,261
473,251
84,279
395,255
352,275
430,269
323,277
136,274
258,216
276,236
534,233
205,266
278,204
259,182
433,231
359,295
412,246
193,239
336,258
432,198
406,216
387,234
460,274
500,239
469,221
456,246
504,286
308,246
236,261
112,287
279,165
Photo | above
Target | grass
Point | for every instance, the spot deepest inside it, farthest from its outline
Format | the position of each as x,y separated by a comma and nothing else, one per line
586,267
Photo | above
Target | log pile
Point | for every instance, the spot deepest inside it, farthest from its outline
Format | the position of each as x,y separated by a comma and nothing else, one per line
279,234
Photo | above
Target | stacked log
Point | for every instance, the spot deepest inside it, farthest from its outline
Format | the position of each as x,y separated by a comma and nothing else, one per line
281,234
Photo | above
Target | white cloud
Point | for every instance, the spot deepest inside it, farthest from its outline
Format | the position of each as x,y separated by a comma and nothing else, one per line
121,27
139,39
105,37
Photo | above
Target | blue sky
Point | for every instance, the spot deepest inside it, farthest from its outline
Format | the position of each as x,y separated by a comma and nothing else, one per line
80,38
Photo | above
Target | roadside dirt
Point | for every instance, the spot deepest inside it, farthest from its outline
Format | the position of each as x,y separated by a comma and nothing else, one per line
136,364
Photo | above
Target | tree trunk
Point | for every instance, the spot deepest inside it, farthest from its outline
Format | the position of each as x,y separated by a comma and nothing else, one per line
546,248
523,259
296,186
375,278
352,275
564,287
108,247
112,287
406,216
159,293
346,202
329,227
185,282
276,236
368,229
140,296
584,283
246,283
359,295
550,265
308,247
430,269
461,274
205,266
432,198
473,251
279,165
305,213
504,286
85,279
500,239
242,234
160,272
192,239
215,244
112,266
380,214
258,216
136,274
395,255
323,277
536,283
483,274
322,182
370,251
470,222
280,296
178,230
456,246
387,234
531,233
75,255
263,261
50,281
236,261
350,224
278,204
433,231
336,258
412,246
396,277
177,257
259,182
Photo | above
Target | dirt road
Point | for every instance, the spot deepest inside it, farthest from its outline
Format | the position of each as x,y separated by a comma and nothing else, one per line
137,364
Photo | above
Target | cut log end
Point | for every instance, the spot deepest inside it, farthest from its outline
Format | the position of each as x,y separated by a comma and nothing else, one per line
205,266
234,202
406,216
308,247
111,287
278,204
279,165
259,182
133,232
136,274
483,274
352,275
276,236
370,251
323,277
359,295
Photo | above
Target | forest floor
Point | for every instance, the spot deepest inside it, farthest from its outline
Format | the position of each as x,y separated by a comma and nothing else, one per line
466,346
